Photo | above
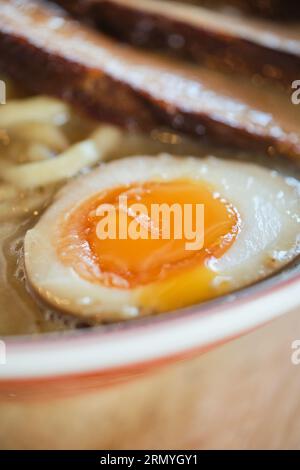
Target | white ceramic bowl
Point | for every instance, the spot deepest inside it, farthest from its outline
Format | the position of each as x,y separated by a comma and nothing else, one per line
105,388
117,350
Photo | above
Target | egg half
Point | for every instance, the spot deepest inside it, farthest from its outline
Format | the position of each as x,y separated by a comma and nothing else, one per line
249,228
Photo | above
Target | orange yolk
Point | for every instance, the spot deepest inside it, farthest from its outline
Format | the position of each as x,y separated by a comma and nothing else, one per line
146,260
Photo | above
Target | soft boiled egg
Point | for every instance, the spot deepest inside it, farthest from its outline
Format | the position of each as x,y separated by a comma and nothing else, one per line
250,227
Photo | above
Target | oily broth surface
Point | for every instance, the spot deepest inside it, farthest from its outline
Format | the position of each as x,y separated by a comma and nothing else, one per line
19,312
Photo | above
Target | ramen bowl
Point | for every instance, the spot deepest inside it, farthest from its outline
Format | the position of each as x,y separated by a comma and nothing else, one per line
99,388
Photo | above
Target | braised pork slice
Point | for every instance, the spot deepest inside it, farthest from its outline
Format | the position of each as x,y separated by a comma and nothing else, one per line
274,9
251,47
50,53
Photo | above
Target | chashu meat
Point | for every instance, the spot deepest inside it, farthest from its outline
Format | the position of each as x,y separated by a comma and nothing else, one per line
246,46
274,9
50,53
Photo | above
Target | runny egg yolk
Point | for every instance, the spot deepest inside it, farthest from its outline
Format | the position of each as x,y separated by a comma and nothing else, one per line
149,260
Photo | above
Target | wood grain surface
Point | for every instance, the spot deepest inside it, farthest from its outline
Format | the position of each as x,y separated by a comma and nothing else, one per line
243,395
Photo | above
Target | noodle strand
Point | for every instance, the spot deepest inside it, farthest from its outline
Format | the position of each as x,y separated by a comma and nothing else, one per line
68,164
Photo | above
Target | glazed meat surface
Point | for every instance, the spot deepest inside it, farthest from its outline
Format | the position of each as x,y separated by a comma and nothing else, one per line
50,53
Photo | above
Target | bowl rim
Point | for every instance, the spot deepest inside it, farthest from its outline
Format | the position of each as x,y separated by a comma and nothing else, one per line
138,343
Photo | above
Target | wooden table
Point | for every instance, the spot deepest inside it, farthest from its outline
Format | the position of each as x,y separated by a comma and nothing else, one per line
245,395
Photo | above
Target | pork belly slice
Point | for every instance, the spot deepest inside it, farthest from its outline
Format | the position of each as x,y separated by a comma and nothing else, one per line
50,53
211,38
274,9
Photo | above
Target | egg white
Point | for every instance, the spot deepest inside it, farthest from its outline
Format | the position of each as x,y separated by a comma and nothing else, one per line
269,206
